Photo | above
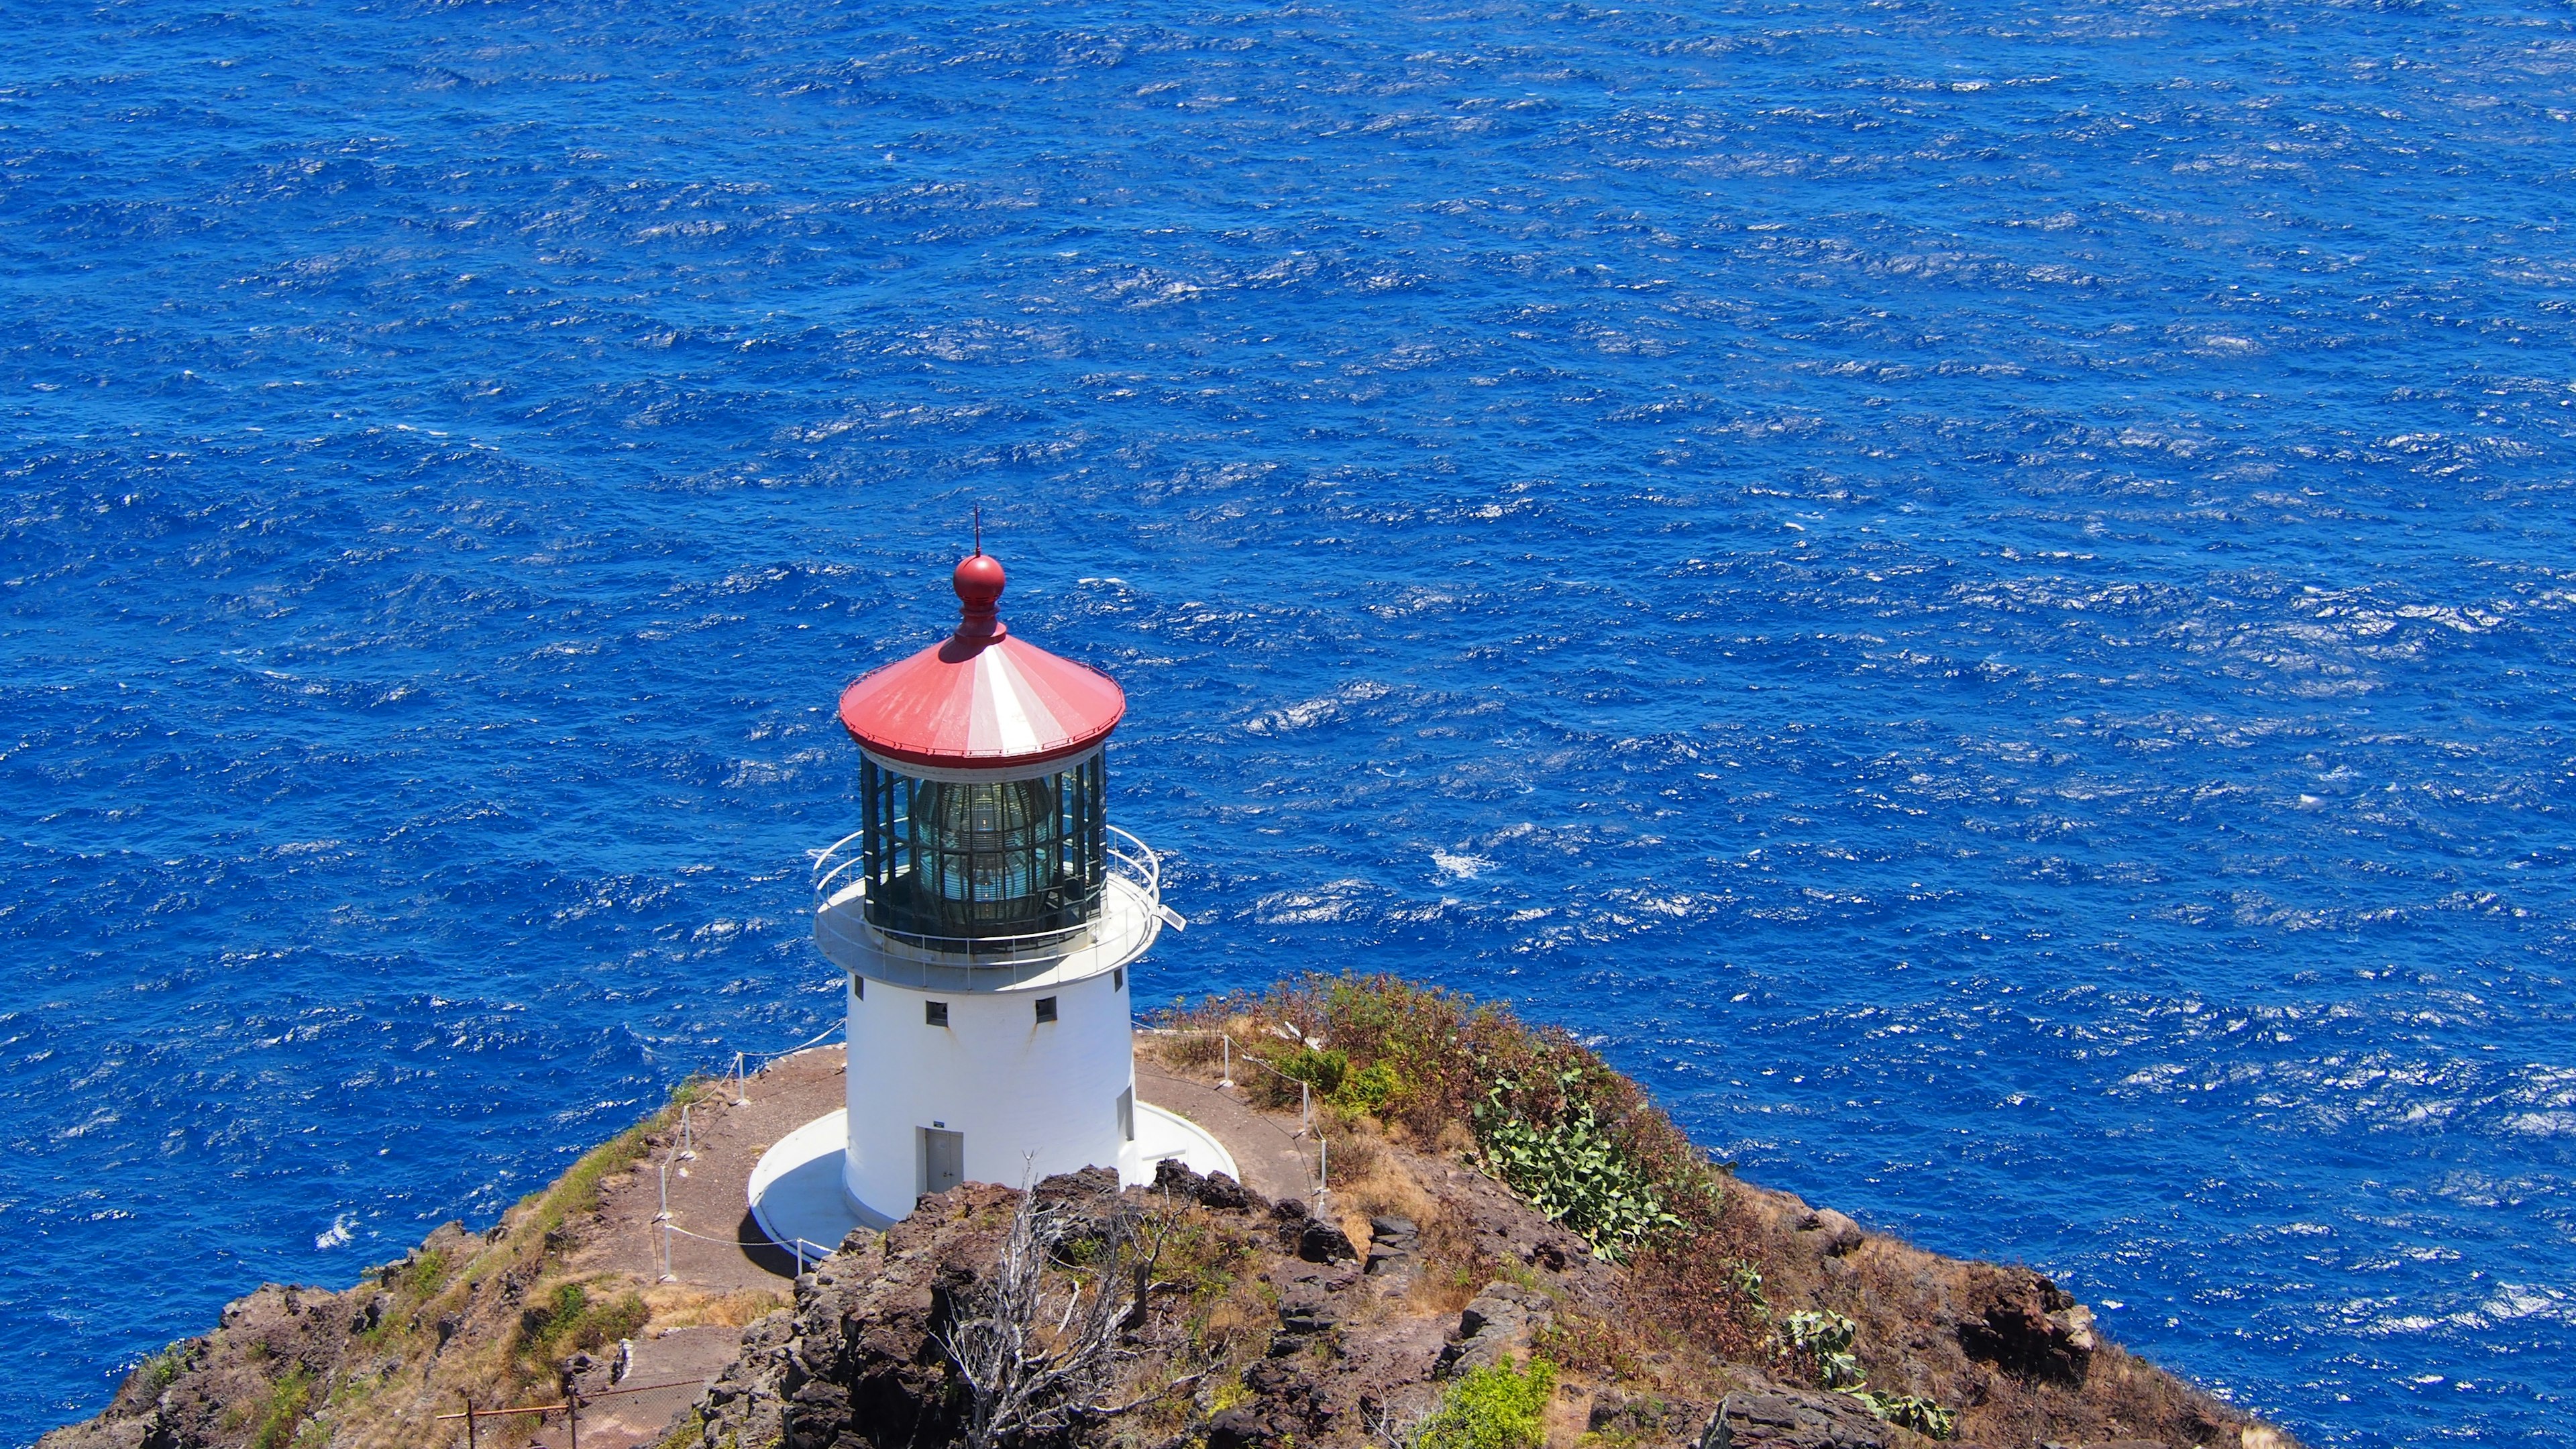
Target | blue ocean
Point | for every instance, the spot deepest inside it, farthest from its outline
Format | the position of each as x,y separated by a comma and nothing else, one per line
1979,595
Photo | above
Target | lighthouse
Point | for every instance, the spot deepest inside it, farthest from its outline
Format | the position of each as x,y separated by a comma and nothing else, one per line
985,917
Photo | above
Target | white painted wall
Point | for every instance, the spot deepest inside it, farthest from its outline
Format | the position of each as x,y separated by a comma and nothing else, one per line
1017,1087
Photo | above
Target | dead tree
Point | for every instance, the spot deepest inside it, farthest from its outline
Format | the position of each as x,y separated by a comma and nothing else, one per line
1038,1340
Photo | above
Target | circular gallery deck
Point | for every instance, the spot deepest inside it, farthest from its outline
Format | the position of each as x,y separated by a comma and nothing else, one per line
798,1200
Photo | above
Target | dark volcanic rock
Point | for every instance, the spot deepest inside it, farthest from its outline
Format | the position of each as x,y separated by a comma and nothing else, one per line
1321,1242
1790,1419
1224,1194
1498,1321
2026,1325
855,1364
1393,1243
1217,1190
1287,1407
1644,1418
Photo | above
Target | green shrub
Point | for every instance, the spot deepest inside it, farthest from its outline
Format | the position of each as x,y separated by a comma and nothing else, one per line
569,1322
1370,1088
1573,1172
160,1370
1493,1408
288,1398
1827,1339
1321,1070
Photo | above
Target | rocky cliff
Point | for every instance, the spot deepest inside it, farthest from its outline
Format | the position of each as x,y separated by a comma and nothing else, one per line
1498,1266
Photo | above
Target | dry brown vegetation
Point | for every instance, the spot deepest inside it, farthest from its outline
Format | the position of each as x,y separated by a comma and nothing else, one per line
485,1315
1399,1070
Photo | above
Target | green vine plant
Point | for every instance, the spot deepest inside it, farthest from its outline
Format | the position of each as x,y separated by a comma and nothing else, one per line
1746,1275
1827,1338
1573,1172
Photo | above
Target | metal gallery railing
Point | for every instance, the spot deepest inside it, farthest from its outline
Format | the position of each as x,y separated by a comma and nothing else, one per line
840,913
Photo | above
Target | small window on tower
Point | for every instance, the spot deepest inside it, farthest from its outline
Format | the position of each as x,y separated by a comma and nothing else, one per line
1117,978
1046,1008
935,1012
859,987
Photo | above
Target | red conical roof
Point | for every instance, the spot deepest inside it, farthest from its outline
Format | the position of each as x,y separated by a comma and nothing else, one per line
981,699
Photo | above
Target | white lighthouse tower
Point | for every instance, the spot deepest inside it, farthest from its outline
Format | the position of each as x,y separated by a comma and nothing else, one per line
985,915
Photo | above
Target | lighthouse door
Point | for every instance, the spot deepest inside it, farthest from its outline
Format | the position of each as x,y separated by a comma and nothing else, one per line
943,1159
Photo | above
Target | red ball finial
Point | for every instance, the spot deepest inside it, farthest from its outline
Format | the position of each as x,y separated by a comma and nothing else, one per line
978,580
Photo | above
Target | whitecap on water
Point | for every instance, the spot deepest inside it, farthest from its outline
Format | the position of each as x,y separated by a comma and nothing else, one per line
1459,867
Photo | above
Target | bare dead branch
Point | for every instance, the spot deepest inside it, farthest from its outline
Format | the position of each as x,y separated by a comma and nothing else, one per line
1022,1380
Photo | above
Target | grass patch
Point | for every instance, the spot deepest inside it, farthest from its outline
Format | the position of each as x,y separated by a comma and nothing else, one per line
569,1321
423,1276
288,1399
1499,1407
159,1371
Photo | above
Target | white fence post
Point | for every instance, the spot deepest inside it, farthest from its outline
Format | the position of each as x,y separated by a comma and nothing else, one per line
1228,1079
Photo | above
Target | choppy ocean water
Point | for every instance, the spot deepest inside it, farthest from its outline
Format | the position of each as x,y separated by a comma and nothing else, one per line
1980,595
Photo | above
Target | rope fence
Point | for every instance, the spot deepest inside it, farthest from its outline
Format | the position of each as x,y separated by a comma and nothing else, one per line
803,1248
741,1077
1305,1103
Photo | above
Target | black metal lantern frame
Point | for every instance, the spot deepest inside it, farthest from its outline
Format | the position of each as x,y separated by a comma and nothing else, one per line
949,862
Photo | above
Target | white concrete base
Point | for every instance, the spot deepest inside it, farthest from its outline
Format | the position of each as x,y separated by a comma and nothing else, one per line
796,1189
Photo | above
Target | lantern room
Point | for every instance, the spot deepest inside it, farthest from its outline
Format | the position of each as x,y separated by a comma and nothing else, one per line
984,821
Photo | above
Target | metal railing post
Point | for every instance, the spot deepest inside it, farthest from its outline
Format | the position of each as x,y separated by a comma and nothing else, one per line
1305,1107
1228,1079
667,1275
688,1136
739,1099
664,1215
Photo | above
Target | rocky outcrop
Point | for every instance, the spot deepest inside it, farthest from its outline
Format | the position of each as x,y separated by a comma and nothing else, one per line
1256,1325
1494,1326
2025,1325
1830,1234
1790,1419
1177,1180
1645,1418
1393,1245
854,1364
